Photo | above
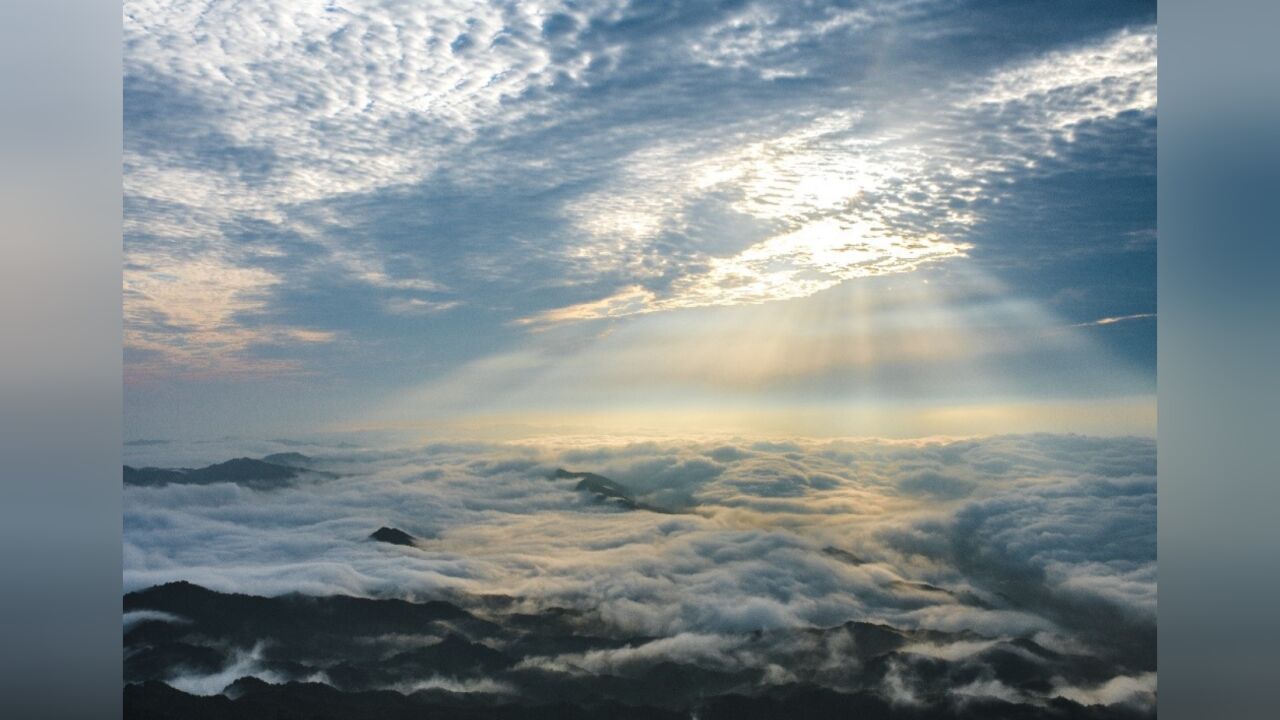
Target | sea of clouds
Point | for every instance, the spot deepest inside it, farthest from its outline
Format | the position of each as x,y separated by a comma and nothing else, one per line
1043,536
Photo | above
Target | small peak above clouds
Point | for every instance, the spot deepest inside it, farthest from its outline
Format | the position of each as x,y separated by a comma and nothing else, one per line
607,490
393,536
290,459
843,556
801,565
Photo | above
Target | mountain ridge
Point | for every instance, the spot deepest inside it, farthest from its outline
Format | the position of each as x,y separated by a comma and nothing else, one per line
607,490
245,471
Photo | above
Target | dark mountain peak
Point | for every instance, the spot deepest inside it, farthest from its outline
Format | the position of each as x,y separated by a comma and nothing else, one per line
180,598
152,476
1035,648
246,468
393,536
177,588
872,639
456,654
243,620
290,459
249,472
332,633
452,641
247,684
595,483
602,486
605,489
842,555
918,587
871,627
175,584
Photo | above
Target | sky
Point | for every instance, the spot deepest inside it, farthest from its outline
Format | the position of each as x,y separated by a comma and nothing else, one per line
893,219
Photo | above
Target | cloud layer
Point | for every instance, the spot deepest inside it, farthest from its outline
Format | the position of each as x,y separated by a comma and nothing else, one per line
525,165
1051,537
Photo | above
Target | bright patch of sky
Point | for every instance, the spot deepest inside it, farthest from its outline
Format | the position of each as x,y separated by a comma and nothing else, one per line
330,208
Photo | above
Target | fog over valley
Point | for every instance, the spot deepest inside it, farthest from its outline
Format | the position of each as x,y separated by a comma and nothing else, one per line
1015,570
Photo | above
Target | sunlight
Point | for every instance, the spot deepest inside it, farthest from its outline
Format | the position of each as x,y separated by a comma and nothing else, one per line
913,350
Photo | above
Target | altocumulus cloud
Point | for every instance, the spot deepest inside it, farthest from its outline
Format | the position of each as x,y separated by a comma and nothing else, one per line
579,160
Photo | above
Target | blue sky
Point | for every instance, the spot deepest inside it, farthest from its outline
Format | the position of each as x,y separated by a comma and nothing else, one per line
880,218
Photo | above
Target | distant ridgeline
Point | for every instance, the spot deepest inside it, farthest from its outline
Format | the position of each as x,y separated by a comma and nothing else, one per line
283,469
393,536
272,471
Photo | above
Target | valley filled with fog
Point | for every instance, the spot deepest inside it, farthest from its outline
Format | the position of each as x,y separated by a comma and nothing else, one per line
990,577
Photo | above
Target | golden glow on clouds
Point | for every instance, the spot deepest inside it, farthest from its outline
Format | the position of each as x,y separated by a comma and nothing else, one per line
189,315
849,331
360,98
1118,416
846,200
901,358
793,265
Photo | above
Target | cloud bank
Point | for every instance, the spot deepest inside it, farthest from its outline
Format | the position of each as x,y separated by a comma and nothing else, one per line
1046,537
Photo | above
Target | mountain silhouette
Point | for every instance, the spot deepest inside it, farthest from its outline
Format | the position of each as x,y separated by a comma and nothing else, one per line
393,536
376,656
605,489
290,459
251,473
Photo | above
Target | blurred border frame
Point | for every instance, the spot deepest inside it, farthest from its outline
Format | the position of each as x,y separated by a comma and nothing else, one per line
1219,342
60,352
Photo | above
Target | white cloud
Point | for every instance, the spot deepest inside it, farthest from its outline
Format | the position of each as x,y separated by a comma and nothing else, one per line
243,663
333,91
747,557
131,619
247,128
691,648
1137,690
1117,319
454,685
330,101
842,197
190,314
